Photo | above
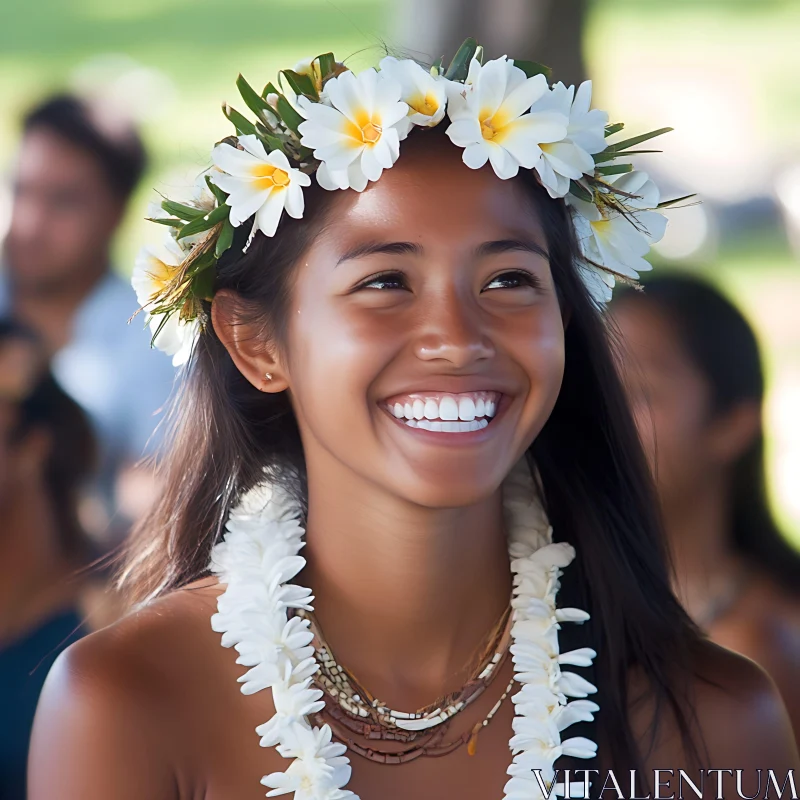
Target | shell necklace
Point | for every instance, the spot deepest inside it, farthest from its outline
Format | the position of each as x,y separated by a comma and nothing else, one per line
258,558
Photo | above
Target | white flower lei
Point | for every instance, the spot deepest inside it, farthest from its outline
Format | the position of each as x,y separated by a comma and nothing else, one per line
260,555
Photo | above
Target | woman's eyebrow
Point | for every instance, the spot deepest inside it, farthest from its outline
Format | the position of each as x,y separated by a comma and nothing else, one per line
385,248
510,245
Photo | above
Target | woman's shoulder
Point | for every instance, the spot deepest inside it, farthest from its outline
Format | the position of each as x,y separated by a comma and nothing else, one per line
734,712
142,644
124,689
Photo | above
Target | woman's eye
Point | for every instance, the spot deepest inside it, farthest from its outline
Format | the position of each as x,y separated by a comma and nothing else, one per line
384,281
513,280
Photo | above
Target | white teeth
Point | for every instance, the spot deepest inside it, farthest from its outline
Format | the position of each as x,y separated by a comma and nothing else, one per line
449,426
448,408
466,409
447,412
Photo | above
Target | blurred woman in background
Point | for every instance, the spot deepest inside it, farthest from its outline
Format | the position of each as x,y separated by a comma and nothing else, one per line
692,367
46,455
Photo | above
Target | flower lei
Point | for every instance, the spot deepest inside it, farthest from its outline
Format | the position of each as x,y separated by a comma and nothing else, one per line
346,129
258,558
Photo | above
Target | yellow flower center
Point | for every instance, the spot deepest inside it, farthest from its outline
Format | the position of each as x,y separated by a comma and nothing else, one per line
363,129
161,276
370,133
600,227
268,176
487,131
427,105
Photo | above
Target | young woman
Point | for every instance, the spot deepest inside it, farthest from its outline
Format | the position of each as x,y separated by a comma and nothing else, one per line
696,384
368,376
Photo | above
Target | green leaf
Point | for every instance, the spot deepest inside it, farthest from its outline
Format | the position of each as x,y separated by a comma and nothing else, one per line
459,66
532,68
616,127
171,221
225,238
289,116
269,141
608,156
437,65
618,147
255,102
618,169
182,211
203,284
205,223
269,89
580,192
221,196
327,64
301,84
668,203
243,125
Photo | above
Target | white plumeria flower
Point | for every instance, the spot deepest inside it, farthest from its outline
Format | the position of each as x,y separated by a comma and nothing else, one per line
571,158
319,769
358,135
490,122
152,273
293,702
259,183
614,241
425,95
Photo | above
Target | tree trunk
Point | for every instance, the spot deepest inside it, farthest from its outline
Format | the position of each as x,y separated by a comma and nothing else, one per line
548,31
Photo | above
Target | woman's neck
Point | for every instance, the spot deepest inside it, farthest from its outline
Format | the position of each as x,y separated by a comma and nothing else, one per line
698,532
405,595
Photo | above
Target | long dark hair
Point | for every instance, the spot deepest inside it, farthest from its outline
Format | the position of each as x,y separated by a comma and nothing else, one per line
71,458
719,341
595,478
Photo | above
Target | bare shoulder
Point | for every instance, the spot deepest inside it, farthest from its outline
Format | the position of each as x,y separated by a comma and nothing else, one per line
137,653
767,629
110,704
735,714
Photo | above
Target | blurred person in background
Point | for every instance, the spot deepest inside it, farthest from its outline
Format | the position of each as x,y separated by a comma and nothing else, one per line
692,367
47,452
75,171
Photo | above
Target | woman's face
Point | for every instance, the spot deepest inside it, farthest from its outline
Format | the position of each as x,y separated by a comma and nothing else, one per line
425,343
670,398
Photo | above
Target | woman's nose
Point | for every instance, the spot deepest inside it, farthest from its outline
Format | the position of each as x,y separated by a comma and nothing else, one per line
453,332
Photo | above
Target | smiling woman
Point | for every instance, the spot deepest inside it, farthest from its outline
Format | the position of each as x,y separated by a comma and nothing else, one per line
412,385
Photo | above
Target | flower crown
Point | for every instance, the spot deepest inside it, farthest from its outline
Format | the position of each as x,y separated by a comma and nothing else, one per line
346,129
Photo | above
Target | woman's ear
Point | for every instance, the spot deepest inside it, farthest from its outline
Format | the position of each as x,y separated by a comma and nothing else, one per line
258,360
732,434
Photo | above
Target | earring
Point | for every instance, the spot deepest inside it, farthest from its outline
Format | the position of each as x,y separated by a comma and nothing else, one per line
268,376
